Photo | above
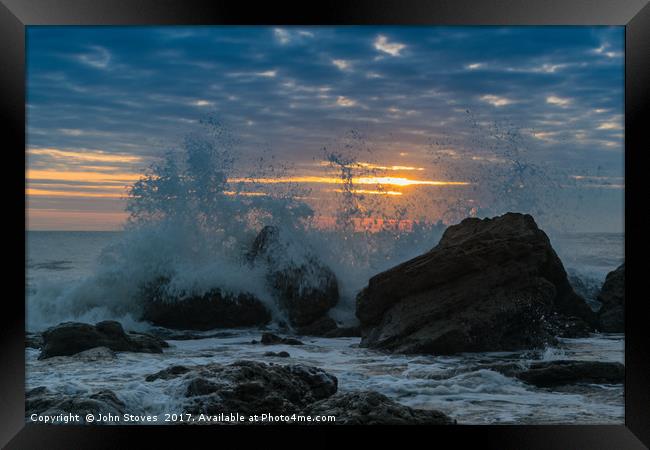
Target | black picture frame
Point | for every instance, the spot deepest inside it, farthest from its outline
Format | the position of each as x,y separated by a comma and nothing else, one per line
15,15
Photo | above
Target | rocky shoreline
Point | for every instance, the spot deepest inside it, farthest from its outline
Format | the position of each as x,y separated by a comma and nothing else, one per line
489,285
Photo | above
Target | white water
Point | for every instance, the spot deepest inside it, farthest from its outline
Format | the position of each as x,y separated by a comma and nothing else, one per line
190,230
455,385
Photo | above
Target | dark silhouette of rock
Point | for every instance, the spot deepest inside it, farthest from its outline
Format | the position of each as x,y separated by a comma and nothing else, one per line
250,387
611,315
303,286
327,327
42,401
373,408
272,339
277,354
489,285
556,373
70,338
212,309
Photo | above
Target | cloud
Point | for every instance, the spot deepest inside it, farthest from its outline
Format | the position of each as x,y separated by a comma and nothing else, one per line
603,50
345,101
341,64
474,66
392,48
202,103
610,126
559,101
496,100
98,58
282,35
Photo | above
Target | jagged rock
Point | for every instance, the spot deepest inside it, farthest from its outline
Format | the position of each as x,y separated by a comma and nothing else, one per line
70,338
555,373
272,339
212,309
611,315
373,408
303,286
489,285
42,401
250,387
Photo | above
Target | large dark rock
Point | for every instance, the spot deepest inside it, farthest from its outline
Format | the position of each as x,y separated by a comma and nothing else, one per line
612,296
70,338
44,402
304,287
373,408
212,309
489,285
556,373
250,387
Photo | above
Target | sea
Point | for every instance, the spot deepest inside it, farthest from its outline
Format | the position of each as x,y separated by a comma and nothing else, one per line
60,262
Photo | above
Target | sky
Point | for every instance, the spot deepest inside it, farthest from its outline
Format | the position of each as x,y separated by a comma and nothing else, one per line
431,115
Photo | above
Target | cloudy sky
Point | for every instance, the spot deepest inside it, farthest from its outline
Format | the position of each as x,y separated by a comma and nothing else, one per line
440,112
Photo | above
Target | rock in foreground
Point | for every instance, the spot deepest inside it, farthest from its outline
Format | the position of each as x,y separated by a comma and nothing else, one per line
373,408
556,373
250,387
42,401
489,285
304,287
612,296
70,338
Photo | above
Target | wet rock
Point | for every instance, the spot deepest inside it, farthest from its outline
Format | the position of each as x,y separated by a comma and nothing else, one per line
319,327
210,310
250,387
70,338
373,408
489,285
277,354
303,286
33,340
327,327
555,373
271,339
612,296
42,401
168,373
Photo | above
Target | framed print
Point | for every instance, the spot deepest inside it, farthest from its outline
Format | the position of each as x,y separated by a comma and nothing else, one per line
379,214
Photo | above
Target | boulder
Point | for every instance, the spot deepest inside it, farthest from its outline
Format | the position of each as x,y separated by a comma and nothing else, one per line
277,354
304,287
373,408
42,401
273,339
70,338
612,297
327,327
556,373
489,285
210,310
250,387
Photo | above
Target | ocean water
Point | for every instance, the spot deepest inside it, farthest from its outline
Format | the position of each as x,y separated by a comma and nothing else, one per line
60,264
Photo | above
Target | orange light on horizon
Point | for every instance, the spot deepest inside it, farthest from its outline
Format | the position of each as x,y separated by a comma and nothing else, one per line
391,181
